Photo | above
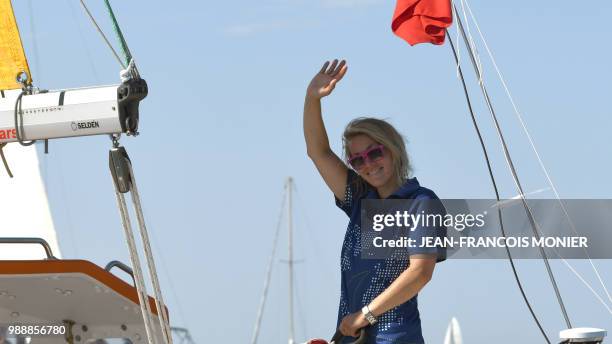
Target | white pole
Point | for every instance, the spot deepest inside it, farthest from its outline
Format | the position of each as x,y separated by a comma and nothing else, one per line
289,186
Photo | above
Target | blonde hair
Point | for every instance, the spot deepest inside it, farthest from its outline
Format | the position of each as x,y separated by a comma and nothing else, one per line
385,134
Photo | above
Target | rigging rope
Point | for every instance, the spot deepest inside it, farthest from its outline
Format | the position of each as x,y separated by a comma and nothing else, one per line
6,166
492,177
124,47
18,117
587,285
138,278
124,181
301,210
159,301
300,310
472,43
512,169
540,162
129,67
83,44
123,65
169,278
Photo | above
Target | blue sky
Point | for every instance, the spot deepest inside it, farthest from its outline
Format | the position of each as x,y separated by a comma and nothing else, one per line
221,131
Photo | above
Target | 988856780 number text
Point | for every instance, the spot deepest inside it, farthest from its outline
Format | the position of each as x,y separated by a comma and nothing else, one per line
31,330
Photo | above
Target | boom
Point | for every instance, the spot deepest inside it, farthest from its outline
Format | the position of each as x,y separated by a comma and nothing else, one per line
73,112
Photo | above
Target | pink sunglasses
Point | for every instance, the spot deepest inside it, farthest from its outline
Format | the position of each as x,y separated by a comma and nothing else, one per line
358,160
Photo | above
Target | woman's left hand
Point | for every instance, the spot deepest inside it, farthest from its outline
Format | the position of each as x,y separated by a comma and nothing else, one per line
352,323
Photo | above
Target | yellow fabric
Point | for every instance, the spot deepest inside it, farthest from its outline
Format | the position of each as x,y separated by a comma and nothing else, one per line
12,56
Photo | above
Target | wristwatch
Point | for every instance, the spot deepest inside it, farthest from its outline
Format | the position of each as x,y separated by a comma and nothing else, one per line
368,315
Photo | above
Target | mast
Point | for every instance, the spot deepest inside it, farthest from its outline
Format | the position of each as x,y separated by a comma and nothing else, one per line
286,203
289,186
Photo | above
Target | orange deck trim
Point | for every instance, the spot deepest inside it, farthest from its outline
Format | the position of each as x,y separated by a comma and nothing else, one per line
31,267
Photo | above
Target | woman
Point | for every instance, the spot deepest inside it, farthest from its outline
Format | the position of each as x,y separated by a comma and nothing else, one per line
380,295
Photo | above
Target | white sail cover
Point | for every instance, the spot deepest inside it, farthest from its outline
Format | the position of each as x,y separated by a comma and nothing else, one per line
24,207
453,333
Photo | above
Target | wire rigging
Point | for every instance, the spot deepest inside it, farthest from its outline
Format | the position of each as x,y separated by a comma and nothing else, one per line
84,44
301,210
537,154
124,47
513,171
93,21
492,177
300,310
268,277
169,278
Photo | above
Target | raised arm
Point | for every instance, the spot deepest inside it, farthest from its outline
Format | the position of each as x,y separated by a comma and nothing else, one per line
330,166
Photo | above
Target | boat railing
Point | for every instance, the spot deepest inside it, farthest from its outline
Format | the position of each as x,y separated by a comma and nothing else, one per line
39,241
122,266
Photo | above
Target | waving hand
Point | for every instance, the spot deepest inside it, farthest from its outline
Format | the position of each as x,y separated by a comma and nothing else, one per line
325,81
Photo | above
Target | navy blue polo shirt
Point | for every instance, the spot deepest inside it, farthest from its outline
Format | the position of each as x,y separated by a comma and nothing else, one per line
363,280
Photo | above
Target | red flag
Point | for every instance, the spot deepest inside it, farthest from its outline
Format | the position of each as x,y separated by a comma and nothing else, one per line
422,21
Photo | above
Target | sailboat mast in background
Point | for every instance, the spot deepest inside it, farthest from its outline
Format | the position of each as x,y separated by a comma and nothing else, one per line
289,186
